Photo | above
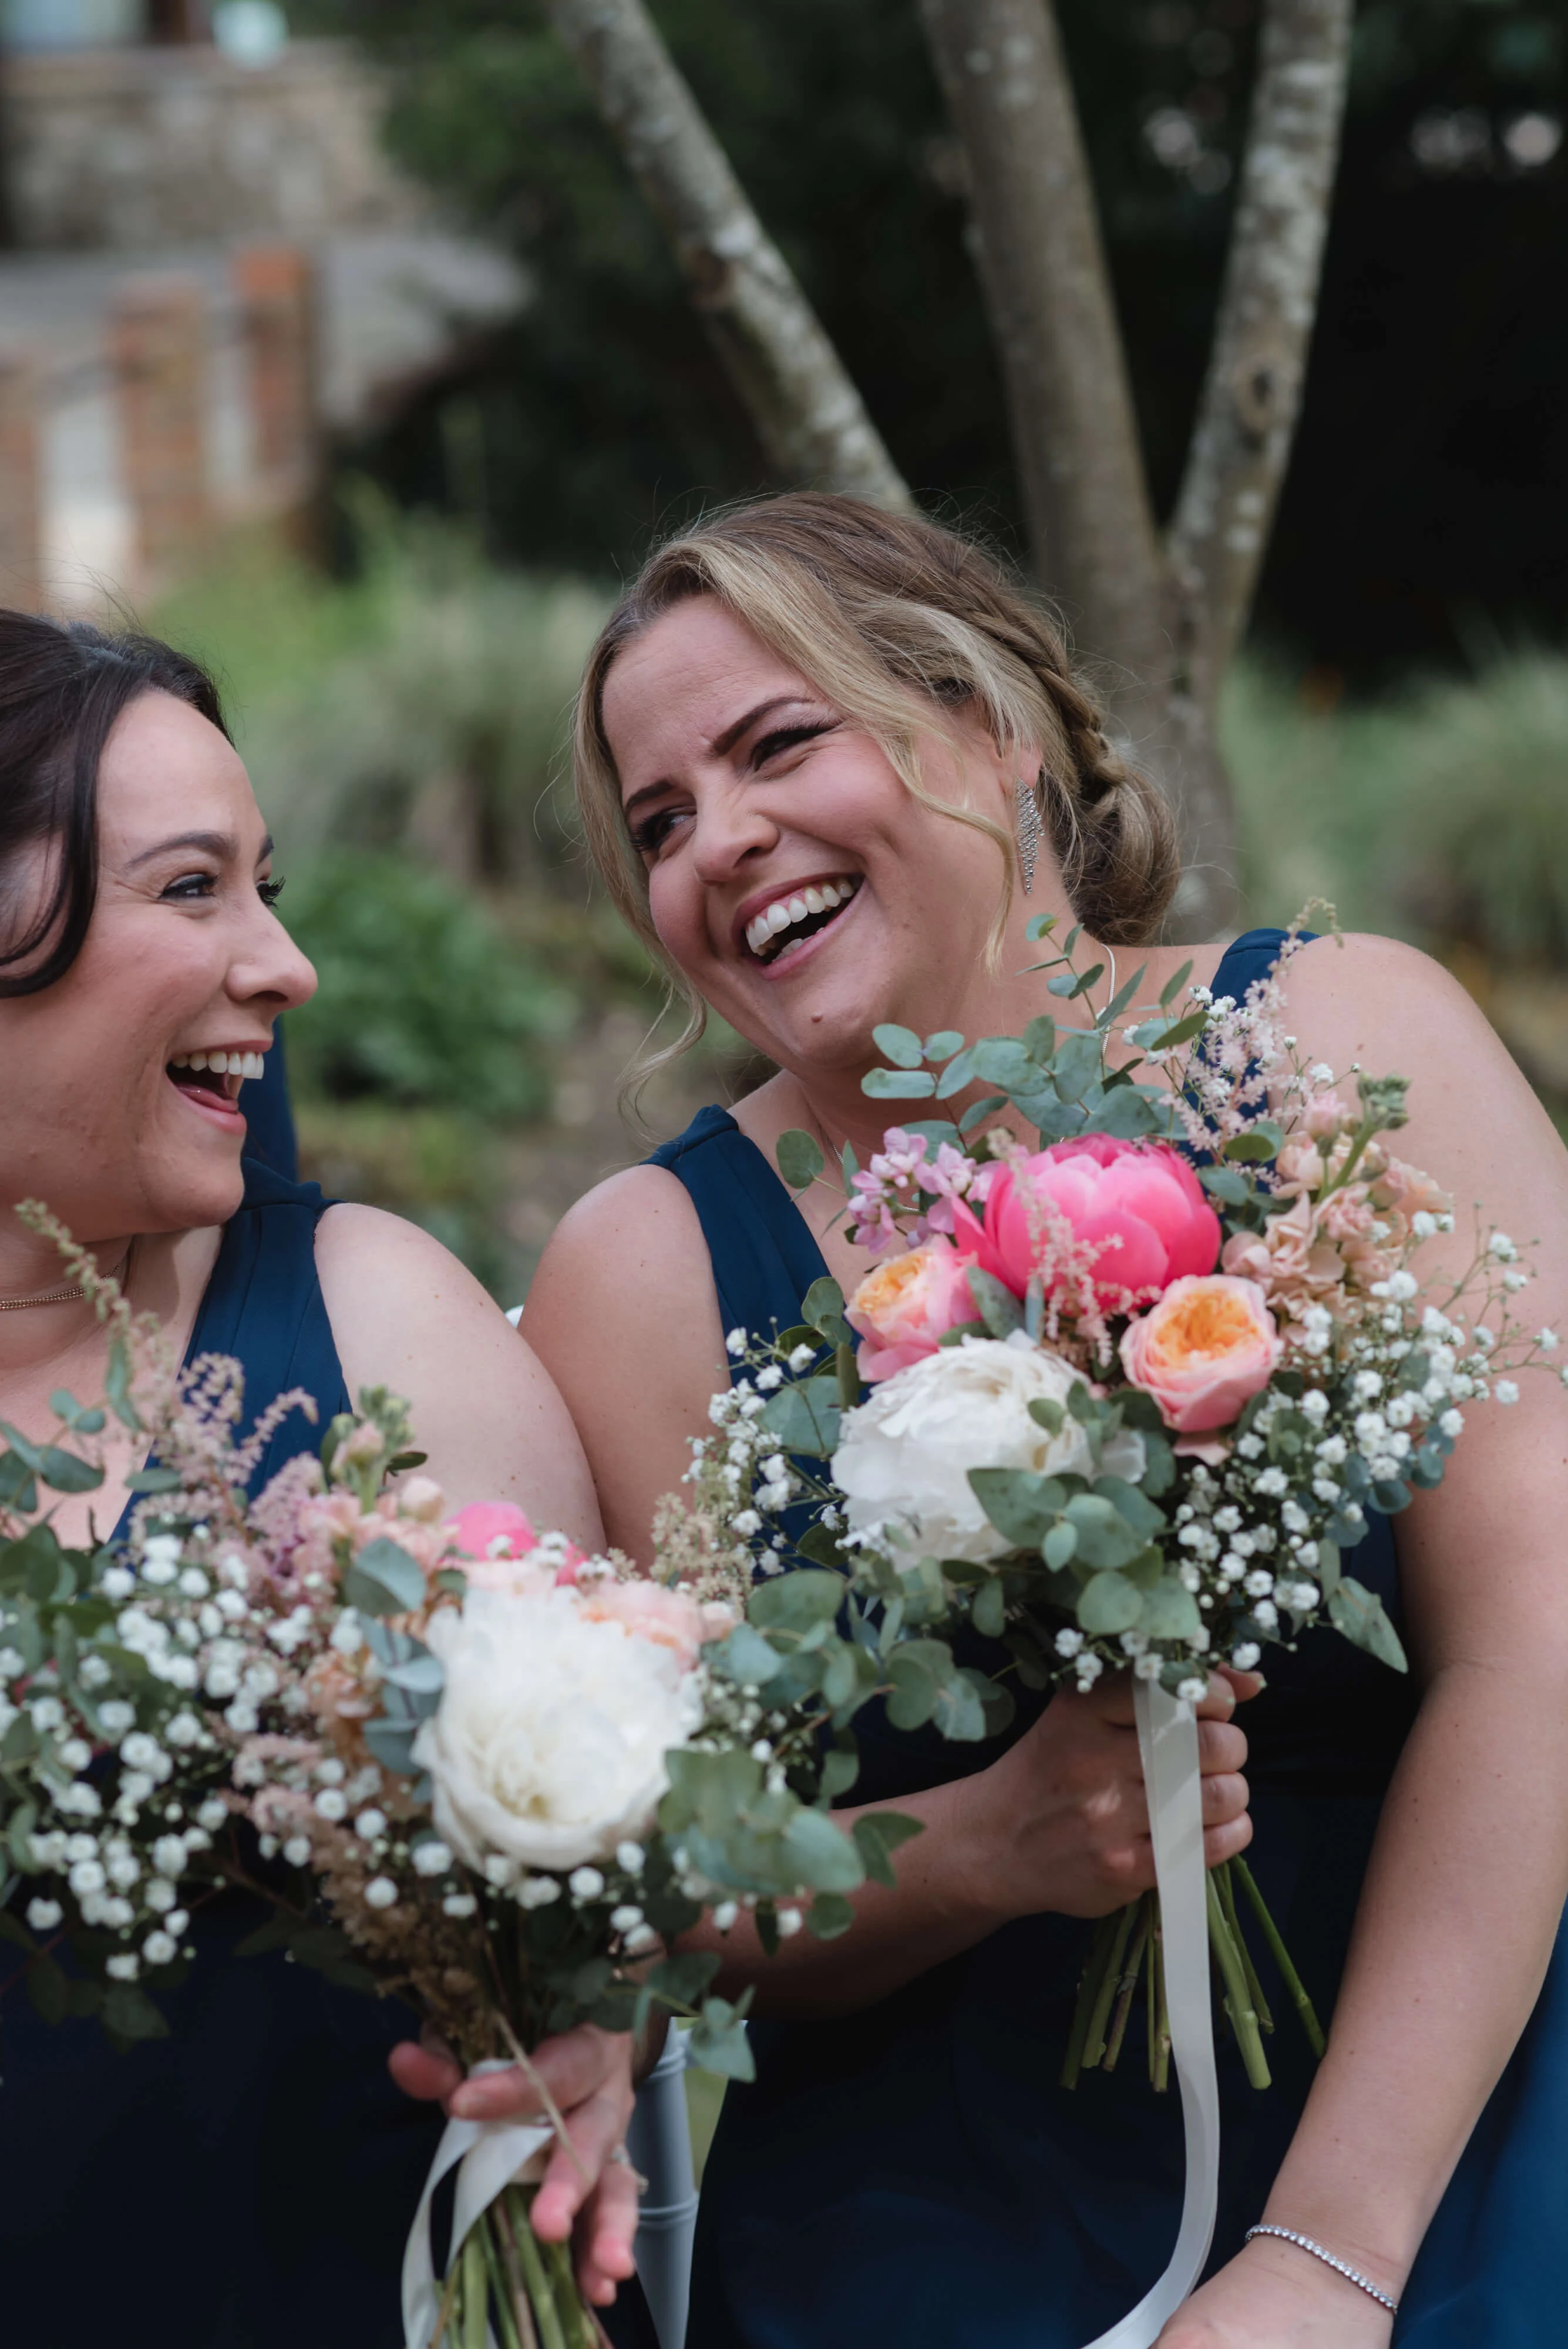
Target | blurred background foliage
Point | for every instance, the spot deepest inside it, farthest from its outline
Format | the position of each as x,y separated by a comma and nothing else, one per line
1398,730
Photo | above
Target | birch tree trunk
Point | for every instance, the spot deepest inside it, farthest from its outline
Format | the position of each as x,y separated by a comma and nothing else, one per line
1156,618
806,411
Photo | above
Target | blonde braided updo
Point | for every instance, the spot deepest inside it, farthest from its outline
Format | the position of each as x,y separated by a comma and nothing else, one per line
898,621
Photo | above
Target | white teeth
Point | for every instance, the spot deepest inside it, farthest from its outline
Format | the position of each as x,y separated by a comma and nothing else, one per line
821,897
244,1065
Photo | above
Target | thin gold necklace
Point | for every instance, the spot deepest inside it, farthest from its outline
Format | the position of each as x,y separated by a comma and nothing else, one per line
60,1296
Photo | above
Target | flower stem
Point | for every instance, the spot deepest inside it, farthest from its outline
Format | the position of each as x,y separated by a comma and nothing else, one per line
545,2314
1130,1972
475,2291
1088,1991
520,2302
1237,2002
1281,1955
1094,2046
1159,2037
1223,1877
504,2297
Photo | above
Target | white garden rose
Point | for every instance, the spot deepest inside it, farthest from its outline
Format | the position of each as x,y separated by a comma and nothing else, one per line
903,1457
547,1747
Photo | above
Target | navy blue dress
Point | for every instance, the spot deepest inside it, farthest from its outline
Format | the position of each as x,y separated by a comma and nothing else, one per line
247,2182
914,2173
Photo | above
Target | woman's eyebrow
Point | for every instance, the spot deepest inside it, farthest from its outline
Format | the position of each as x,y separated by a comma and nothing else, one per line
220,844
721,742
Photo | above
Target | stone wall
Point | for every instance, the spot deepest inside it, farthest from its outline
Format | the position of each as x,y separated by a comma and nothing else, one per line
148,147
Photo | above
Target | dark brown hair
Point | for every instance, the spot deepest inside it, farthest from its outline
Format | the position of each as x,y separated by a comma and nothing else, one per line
63,683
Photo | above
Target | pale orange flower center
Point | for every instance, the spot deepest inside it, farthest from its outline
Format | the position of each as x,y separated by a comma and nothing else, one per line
1206,1325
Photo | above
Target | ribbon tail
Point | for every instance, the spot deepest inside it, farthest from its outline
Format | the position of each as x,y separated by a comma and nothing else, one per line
1167,1741
487,2156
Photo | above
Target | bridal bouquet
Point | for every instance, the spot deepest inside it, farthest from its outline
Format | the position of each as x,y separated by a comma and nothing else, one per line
1133,1395
459,1761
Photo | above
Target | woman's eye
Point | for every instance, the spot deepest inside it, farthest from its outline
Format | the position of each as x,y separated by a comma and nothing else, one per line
269,892
191,886
649,836
788,737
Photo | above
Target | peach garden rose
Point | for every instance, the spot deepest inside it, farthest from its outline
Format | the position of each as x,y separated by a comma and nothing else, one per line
902,1308
1206,1349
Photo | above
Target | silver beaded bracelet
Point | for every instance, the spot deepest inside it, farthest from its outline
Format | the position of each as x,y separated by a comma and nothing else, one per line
1351,2275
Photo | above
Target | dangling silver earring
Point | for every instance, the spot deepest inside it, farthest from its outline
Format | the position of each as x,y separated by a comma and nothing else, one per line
1031,831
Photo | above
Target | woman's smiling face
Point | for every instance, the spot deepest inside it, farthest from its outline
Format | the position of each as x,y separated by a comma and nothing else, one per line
106,1118
800,887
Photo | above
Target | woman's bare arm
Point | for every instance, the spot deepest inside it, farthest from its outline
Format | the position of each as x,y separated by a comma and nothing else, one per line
406,1315
1471,1866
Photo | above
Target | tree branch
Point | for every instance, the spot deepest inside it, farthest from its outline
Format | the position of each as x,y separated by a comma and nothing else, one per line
1043,270
1251,396
807,414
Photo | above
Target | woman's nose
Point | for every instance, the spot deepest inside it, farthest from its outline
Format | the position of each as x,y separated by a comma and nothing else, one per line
731,825
272,967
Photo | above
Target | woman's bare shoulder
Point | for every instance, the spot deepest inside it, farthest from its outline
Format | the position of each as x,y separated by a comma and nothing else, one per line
636,1237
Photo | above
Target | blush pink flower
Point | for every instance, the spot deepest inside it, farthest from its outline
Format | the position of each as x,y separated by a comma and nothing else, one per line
1204,1350
493,1537
654,1611
1138,1205
901,1308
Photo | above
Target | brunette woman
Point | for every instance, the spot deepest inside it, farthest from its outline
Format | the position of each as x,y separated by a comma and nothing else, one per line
818,749
249,2179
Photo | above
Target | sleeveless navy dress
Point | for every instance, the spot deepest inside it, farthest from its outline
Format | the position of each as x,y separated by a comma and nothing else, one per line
915,2174
247,2182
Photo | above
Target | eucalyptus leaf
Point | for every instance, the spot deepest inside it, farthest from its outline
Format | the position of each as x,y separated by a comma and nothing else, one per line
393,1744
1108,1603
794,1601
1077,1065
942,1045
878,1836
718,2042
800,1159
1019,1503
422,1675
989,1611
977,1112
822,1855
959,1072
995,1301
960,1712
1170,1612
829,1915
384,1580
823,1303
1358,1613
747,1658
117,1386
899,1045
63,1472
1174,985
897,1085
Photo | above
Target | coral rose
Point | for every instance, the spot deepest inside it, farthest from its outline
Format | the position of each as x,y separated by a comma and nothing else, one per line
901,1308
1137,1205
1204,1350
671,1618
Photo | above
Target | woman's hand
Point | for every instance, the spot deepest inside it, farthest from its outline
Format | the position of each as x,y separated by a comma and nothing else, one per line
1272,2296
1061,1821
585,2189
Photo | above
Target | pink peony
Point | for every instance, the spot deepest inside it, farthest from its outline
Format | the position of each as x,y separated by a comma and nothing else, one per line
902,1307
1138,1205
1204,1350
490,1536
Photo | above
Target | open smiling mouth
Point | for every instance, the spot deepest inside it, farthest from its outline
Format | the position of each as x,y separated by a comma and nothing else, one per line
790,920
214,1076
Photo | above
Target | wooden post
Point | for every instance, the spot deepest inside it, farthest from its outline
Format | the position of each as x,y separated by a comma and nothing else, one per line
276,291
21,554
158,345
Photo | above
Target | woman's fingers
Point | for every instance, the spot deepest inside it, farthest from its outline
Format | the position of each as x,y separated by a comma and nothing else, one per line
570,2066
594,2131
1220,1746
424,2069
1221,1843
1224,1797
605,2232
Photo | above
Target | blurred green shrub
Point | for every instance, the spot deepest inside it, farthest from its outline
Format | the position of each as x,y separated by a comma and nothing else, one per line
423,999
442,723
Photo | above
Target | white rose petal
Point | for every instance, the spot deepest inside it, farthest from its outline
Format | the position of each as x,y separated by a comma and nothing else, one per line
549,1745
903,1457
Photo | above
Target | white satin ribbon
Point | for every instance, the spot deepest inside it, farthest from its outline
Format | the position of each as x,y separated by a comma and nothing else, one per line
489,2155
1167,1741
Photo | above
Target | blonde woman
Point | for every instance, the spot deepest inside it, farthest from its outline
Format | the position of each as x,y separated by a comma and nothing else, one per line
809,739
